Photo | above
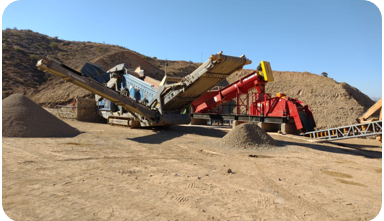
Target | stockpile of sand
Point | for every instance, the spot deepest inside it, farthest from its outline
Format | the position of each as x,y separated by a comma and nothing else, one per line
248,136
23,118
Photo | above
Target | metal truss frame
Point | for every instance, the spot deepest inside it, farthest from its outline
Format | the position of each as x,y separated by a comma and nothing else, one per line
351,131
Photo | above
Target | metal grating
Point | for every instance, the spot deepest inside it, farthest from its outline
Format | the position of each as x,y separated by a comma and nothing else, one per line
346,132
66,111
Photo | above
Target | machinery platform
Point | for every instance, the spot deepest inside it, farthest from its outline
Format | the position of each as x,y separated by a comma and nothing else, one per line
250,118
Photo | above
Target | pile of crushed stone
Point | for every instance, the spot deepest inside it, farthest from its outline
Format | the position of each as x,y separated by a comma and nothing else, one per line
249,136
23,118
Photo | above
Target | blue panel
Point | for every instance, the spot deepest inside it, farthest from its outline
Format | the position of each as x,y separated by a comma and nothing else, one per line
95,72
138,89
107,105
132,92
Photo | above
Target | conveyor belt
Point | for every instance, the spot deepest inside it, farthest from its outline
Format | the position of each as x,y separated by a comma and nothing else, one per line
346,132
169,98
209,74
54,67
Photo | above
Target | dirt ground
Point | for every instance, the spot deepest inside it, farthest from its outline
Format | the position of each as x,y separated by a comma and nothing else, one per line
116,173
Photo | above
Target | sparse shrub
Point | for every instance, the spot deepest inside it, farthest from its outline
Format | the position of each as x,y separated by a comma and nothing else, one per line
34,57
17,61
325,74
17,48
54,45
154,57
15,41
159,66
4,39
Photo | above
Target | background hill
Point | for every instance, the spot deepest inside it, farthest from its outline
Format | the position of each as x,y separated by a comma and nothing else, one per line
333,103
23,48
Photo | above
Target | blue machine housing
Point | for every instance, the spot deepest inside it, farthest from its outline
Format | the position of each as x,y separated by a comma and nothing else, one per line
94,71
138,90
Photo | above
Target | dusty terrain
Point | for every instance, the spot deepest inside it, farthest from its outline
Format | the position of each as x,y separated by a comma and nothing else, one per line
115,173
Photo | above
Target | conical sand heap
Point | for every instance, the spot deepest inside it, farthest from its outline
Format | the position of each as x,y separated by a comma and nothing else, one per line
248,136
23,118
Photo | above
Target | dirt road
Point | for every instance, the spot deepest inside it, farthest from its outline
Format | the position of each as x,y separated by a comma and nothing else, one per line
115,173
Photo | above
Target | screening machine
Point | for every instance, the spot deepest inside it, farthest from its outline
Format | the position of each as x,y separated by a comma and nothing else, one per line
126,100
260,106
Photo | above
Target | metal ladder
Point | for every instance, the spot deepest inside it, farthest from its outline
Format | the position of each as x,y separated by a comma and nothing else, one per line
346,132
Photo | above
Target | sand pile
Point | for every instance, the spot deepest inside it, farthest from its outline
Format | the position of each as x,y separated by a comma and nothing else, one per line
248,136
23,118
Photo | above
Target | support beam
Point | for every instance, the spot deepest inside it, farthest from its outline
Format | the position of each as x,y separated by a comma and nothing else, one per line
195,121
269,127
289,129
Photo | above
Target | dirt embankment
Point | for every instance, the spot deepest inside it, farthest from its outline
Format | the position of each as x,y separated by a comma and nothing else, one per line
23,48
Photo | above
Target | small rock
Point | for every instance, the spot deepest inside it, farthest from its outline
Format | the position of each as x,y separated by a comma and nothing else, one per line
229,171
279,132
348,204
203,211
176,174
199,178
150,175
279,179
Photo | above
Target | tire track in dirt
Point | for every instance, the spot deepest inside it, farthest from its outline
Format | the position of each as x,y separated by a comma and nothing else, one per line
287,196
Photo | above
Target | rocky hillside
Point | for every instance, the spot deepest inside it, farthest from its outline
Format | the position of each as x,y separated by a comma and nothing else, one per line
333,103
23,48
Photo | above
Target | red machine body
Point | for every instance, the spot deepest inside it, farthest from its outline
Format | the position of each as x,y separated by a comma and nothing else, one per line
258,104
212,99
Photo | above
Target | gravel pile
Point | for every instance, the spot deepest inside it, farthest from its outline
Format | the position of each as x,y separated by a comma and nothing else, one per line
248,136
23,118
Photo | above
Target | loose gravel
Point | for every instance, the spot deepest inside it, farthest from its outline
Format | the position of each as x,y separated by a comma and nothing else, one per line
248,136
23,118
